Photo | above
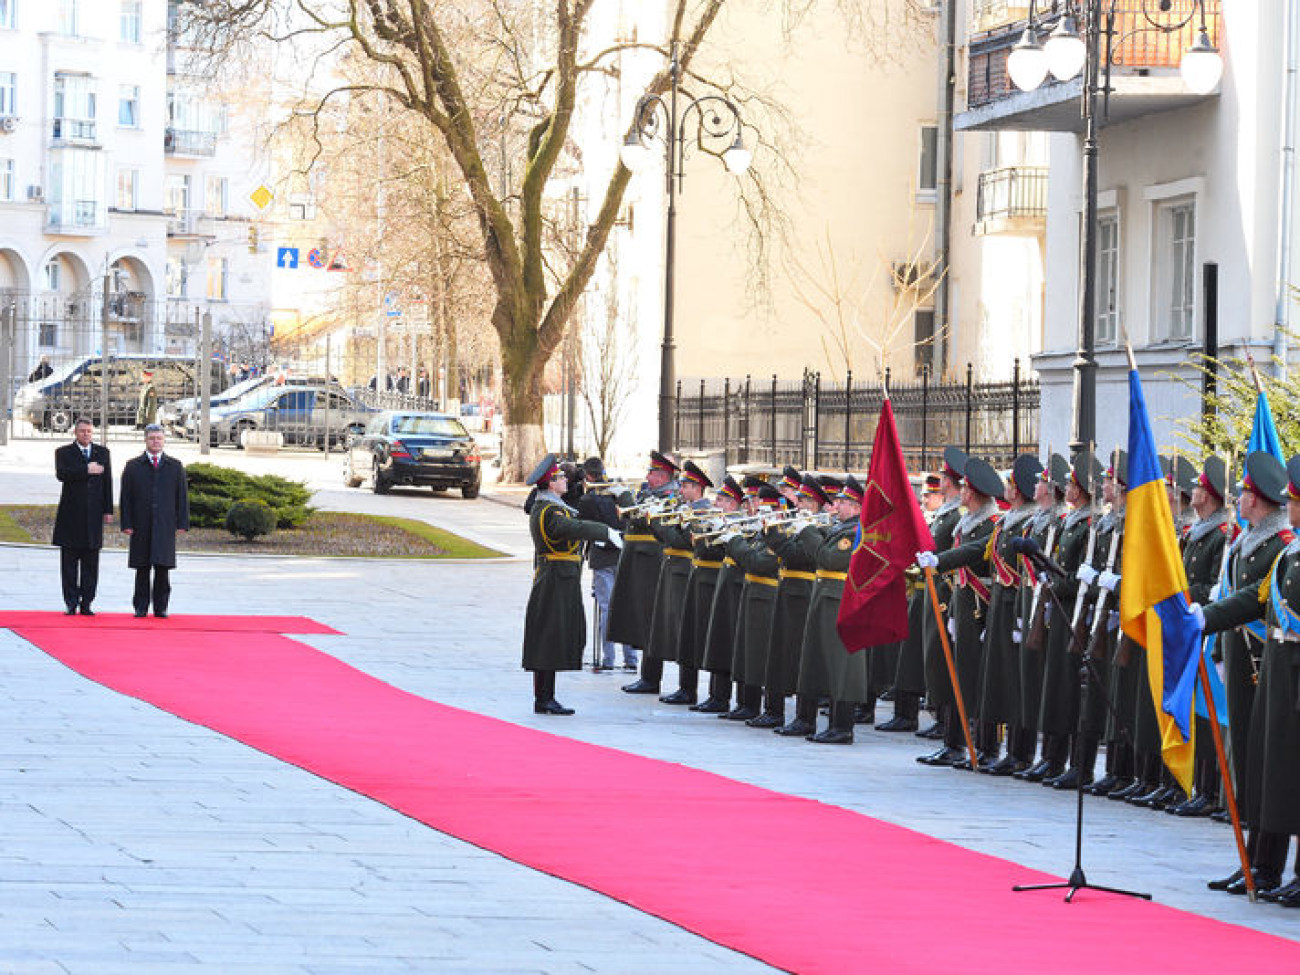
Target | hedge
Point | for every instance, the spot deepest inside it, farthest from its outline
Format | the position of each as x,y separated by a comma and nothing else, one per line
214,489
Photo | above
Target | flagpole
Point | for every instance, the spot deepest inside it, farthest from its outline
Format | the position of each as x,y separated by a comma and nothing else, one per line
952,667
1228,792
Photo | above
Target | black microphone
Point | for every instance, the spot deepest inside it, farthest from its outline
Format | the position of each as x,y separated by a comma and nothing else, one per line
1030,549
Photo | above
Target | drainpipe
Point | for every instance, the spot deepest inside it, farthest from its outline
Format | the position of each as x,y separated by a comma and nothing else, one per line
1282,315
943,185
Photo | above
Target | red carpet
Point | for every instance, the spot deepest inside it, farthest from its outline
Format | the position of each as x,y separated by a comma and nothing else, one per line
801,885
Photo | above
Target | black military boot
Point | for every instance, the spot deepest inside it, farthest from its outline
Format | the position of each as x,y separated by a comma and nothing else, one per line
719,699
840,731
773,715
748,704
544,701
805,718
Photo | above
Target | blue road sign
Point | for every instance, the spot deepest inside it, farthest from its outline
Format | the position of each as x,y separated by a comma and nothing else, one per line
286,257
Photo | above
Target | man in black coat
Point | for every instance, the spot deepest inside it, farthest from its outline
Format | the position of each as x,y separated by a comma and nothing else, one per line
155,506
85,470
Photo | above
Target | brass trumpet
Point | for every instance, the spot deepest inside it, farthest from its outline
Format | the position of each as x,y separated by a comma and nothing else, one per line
650,507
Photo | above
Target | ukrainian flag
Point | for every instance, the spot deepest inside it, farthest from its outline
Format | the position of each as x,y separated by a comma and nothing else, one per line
1153,604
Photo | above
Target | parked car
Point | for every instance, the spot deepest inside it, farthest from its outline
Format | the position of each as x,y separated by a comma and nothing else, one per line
300,414
176,415
77,388
420,449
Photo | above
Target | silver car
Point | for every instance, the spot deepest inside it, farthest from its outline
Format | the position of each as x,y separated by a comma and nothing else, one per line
313,415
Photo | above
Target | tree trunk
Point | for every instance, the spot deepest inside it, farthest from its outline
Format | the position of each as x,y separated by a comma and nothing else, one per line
523,442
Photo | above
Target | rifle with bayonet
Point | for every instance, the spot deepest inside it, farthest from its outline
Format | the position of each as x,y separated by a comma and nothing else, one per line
1083,595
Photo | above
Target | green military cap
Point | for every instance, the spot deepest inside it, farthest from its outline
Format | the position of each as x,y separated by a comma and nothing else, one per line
980,476
544,470
1265,475
1024,474
1085,472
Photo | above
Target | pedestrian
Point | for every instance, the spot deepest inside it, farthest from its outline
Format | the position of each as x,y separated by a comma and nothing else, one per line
422,385
85,470
146,407
155,505
43,369
555,627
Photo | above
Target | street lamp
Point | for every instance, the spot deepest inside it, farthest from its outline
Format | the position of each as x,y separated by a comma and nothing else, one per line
1064,55
705,123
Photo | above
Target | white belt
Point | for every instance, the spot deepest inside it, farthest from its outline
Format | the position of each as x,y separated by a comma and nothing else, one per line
1283,636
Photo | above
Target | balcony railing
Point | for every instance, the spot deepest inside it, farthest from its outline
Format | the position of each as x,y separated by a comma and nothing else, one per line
186,223
1012,195
188,142
1136,47
74,215
74,130
988,14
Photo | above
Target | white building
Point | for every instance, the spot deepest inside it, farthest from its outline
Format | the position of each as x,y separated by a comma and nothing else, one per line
124,209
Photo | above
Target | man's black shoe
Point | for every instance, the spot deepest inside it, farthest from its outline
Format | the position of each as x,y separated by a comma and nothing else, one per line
898,724
944,756
550,707
160,616
1068,779
1009,765
86,610
1196,806
70,611
679,696
833,736
1264,880
1034,773
798,728
766,720
1278,893
641,687
714,705
935,732
140,614
739,713
1130,790
1226,882
1106,785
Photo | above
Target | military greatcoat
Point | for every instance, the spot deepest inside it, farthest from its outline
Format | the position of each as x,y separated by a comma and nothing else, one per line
937,682
632,600
757,606
968,607
706,563
827,666
1059,713
797,575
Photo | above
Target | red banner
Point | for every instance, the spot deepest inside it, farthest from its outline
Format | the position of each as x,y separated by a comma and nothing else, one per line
873,610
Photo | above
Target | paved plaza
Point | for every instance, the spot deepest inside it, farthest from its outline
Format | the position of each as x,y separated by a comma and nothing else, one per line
132,841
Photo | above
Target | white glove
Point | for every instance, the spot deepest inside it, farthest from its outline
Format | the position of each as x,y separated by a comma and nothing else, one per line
1047,613
1015,636
1112,621
1198,614
615,538
927,560
1221,669
1108,580
1086,574
952,628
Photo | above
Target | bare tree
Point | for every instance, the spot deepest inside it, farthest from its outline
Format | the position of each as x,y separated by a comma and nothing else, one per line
608,364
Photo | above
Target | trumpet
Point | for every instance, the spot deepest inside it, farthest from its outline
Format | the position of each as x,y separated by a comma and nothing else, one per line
612,487
652,506
745,524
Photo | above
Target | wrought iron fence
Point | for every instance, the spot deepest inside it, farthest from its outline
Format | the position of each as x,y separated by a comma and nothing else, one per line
829,426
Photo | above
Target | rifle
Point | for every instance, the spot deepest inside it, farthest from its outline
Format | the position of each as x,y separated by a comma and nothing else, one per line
1036,634
1078,623
1100,615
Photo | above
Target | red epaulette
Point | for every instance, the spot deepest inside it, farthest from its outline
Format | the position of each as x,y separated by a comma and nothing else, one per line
1287,535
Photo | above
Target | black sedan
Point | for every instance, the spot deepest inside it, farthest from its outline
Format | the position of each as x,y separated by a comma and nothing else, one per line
401,447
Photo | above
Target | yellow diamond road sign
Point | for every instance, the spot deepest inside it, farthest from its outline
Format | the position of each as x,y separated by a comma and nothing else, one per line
261,197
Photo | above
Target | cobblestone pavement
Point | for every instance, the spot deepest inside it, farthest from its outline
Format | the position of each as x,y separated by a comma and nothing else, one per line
133,841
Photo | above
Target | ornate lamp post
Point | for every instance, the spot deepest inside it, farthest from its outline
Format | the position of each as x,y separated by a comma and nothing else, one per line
1064,54
681,121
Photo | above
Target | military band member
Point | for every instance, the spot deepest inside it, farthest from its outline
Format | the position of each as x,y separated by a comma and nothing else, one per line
754,616
1058,715
1044,528
600,502
631,605
1202,558
968,607
555,628
942,530
674,577
1236,617
1000,693
797,574
706,567
789,485
720,636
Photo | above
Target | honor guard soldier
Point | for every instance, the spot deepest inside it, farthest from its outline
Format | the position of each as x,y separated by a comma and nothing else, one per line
1236,616
720,634
757,605
706,563
797,575
968,608
1203,546
555,628
1000,696
943,527
1044,529
631,605
1059,714
673,532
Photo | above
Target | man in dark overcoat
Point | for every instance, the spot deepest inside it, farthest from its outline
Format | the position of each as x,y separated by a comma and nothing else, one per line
155,506
85,470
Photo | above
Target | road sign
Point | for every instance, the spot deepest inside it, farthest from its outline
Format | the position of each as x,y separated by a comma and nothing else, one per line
316,257
262,197
286,257
390,305
338,262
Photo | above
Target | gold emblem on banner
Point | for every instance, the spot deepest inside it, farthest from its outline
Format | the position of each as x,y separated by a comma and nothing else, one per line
844,544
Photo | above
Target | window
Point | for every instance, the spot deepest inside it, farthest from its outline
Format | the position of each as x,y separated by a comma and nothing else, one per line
128,189
74,107
78,179
177,278
7,13
177,194
128,106
1174,297
69,16
218,268
927,176
6,180
130,22
1107,309
8,92
923,338
216,196
52,275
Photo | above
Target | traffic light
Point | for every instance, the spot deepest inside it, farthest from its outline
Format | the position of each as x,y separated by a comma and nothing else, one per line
252,238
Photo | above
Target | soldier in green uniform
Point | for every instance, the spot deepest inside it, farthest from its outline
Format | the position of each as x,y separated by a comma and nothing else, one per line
797,575
999,693
968,560
673,534
1236,617
1044,529
631,604
1058,714
1203,546
555,627
706,566
757,606
942,529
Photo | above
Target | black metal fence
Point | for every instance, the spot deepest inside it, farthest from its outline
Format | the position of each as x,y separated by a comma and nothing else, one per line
828,426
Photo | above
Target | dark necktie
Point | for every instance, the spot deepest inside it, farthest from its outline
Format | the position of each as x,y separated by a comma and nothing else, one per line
86,451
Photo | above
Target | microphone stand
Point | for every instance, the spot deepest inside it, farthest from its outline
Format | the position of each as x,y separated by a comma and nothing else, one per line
1087,672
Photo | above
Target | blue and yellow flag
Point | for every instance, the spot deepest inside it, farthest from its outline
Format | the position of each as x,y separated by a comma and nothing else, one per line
1153,602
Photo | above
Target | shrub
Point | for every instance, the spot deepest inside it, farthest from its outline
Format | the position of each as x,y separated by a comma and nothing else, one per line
214,489
250,518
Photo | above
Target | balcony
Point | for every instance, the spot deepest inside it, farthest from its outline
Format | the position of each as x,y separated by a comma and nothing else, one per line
189,142
74,217
1144,74
73,131
1012,200
188,223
